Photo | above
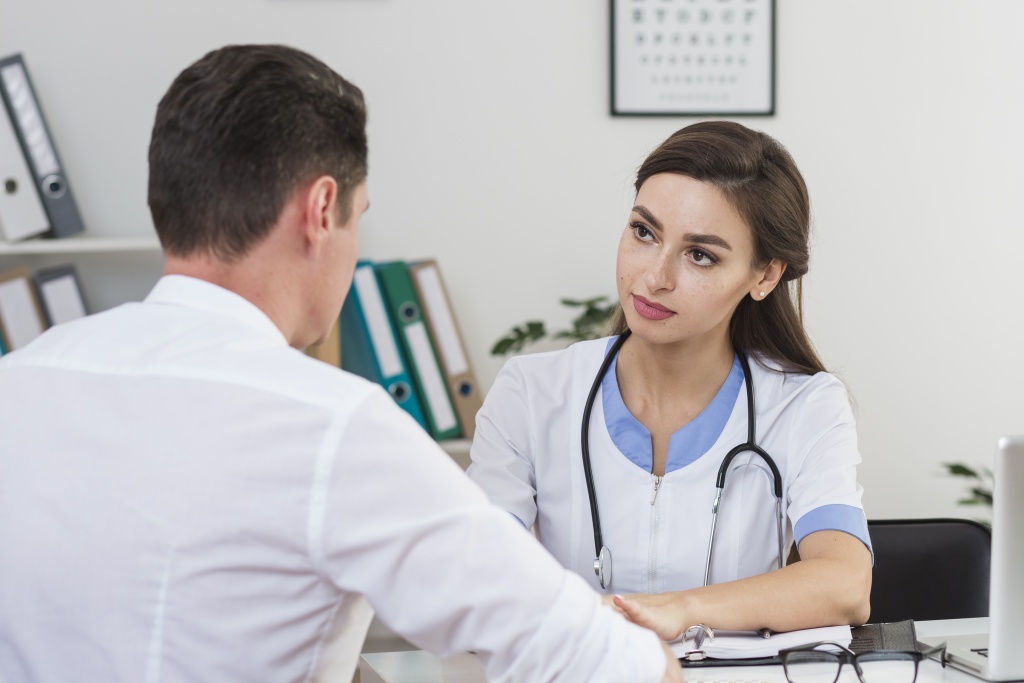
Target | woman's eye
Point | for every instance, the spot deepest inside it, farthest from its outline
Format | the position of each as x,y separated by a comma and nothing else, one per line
642,232
702,258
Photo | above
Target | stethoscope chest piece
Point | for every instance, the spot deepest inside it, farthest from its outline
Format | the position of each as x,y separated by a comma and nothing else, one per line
603,567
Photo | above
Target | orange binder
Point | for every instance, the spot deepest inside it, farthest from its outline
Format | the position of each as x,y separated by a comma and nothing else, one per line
451,350
329,350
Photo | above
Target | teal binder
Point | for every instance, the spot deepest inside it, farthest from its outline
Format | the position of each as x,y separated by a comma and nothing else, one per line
369,345
406,313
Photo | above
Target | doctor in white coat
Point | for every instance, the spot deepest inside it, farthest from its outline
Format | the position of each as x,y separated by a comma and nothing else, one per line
709,268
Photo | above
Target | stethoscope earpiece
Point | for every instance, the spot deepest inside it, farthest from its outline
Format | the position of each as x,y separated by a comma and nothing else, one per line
603,561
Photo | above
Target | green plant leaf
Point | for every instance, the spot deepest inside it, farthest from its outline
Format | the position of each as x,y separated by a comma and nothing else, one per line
535,330
587,303
518,337
983,495
980,491
502,346
959,470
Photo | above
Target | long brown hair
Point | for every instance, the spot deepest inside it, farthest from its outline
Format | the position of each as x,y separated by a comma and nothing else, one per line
761,180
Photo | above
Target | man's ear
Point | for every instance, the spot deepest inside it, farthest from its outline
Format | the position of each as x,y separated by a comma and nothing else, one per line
320,209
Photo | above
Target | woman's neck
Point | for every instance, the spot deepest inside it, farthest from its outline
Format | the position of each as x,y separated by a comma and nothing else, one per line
670,384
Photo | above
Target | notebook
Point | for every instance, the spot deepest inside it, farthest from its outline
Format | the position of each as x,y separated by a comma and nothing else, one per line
999,654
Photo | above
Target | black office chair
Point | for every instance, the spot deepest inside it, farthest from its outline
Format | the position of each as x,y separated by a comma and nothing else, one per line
929,569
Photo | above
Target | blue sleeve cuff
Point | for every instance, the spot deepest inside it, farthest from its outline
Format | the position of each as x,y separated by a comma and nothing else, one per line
845,518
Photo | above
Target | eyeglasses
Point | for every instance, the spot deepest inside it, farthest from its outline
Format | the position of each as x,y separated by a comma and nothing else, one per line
808,664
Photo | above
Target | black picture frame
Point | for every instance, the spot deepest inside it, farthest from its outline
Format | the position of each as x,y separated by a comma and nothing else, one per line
692,57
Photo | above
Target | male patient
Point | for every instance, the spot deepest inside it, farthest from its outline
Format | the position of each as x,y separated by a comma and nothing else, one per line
186,496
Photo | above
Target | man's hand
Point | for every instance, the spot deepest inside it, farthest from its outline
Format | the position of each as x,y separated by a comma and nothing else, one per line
673,671
659,613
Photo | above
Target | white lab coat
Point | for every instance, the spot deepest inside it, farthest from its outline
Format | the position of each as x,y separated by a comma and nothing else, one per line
183,497
526,455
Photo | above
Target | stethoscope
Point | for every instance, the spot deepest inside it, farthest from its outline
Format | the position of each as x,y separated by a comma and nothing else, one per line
603,561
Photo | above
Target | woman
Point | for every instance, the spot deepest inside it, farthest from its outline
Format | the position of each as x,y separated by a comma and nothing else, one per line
709,269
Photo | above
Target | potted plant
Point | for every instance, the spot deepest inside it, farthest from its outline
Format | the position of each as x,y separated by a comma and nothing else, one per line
590,323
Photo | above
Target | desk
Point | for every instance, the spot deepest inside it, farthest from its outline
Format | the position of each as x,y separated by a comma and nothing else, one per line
422,667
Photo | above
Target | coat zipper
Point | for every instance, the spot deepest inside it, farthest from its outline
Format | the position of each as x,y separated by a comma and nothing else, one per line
652,567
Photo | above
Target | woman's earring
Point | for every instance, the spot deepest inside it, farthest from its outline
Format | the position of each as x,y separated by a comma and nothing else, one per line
761,293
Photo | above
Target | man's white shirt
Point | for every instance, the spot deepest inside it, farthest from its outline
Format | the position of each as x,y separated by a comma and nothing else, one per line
185,497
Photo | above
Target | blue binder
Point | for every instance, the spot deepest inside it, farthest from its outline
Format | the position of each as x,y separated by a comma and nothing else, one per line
369,345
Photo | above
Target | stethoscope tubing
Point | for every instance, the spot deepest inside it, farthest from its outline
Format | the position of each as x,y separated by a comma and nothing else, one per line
602,561
588,473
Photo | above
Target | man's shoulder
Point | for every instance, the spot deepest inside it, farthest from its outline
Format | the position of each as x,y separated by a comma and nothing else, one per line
136,340
317,380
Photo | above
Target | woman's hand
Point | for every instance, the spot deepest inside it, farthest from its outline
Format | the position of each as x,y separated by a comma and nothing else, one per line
660,613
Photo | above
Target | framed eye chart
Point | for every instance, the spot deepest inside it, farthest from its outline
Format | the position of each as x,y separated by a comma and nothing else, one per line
692,57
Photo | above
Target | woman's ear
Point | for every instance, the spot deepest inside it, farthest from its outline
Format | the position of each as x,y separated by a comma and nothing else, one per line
769,280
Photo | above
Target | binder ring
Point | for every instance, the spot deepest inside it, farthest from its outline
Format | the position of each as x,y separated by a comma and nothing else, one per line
400,391
408,311
54,186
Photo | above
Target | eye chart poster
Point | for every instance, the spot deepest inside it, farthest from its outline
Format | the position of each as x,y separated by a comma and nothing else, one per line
693,57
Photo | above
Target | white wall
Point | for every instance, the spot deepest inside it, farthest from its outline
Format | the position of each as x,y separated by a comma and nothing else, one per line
492,150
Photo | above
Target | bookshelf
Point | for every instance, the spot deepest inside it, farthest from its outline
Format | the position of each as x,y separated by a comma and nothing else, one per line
112,269
118,269
81,245
458,449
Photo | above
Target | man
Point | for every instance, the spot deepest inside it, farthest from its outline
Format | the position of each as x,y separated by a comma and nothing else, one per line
185,496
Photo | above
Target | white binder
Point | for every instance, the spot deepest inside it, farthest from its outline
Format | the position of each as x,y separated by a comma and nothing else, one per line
60,294
39,151
21,210
21,318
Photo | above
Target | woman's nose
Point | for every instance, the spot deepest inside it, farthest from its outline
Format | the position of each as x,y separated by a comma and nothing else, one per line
659,273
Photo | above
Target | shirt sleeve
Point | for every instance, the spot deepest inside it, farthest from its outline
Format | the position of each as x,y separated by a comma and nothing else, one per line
825,494
403,526
501,465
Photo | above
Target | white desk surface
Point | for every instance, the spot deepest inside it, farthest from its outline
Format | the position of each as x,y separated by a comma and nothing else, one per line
422,667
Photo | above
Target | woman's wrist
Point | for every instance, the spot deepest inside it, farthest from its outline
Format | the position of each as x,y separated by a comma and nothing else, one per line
684,608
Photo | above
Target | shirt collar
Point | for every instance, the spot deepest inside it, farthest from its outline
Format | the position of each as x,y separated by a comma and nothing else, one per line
201,295
685,445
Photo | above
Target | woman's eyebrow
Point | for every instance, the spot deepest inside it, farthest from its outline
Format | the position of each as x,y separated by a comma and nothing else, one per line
648,216
707,239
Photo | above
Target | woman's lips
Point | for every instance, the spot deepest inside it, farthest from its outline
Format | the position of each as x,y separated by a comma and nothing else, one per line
650,310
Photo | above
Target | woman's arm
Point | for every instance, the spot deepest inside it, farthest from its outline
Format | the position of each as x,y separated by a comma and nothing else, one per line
500,462
831,585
